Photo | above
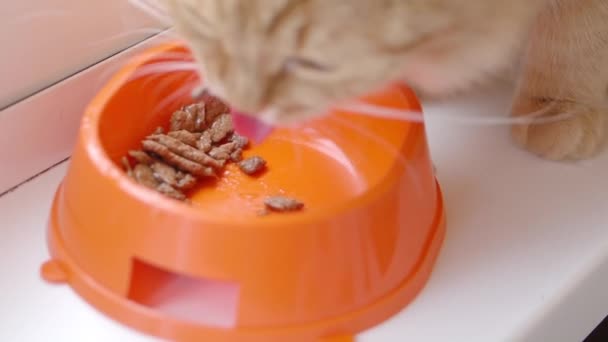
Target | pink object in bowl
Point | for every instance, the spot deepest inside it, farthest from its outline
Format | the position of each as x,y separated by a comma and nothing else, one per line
251,127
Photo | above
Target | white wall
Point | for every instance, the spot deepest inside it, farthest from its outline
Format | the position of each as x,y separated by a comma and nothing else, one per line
44,41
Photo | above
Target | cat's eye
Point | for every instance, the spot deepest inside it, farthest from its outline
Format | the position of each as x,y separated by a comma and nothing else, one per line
293,63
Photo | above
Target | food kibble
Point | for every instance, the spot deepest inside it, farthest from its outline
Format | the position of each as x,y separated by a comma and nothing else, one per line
221,128
190,118
241,141
283,204
253,165
200,142
237,155
186,137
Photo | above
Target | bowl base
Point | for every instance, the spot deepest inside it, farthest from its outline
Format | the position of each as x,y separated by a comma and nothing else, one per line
62,268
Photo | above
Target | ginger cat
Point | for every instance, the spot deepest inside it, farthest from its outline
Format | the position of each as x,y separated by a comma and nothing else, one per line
294,58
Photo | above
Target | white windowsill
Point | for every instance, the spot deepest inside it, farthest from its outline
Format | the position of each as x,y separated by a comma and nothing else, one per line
525,257
41,130
45,40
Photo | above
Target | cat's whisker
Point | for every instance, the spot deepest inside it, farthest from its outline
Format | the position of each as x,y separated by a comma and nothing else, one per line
327,132
535,117
299,139
162,68
382,112
24,19
198,22
171,57
160,64
411,171
148,32
364,133
152,9
175,56
297,151
153,71
169,103
151,76
154,87
169,100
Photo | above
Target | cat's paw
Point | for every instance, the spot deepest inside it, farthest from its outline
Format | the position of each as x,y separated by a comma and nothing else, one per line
564,131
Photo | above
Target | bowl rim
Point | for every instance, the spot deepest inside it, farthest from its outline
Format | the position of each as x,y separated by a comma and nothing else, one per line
90,137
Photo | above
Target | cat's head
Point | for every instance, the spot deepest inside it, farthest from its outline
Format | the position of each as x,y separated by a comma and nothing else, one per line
289,59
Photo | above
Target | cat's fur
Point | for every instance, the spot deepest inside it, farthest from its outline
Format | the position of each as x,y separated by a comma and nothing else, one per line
296,57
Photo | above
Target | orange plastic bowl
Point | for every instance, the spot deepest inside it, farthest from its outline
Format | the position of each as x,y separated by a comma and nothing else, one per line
215,270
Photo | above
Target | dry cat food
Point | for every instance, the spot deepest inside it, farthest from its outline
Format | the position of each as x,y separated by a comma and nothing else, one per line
283,204
200,142
253,165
